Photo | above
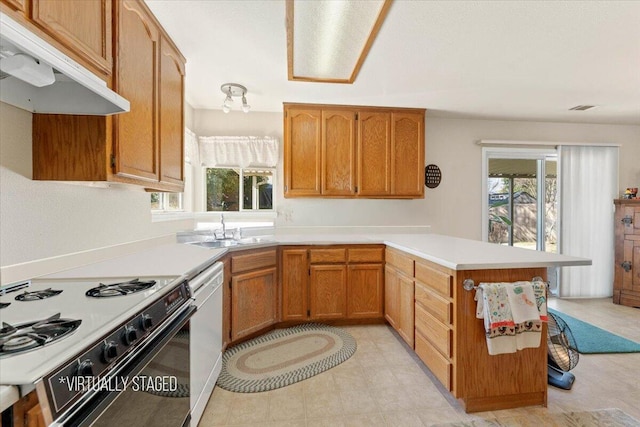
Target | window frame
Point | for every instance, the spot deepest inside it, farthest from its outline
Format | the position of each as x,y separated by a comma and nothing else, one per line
164,202
241,210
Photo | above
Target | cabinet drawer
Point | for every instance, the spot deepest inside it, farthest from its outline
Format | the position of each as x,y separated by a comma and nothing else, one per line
327,255
433,330
437,306
400,261
252,261
440,282
366,255
438,364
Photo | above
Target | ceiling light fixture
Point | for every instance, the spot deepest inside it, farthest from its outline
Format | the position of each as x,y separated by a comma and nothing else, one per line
328,40
231,90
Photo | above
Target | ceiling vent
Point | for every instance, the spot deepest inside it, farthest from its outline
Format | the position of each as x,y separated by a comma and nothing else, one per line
582,107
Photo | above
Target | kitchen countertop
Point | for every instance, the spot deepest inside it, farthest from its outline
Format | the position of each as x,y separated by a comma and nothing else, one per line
173,259
451,252
463,254
179,259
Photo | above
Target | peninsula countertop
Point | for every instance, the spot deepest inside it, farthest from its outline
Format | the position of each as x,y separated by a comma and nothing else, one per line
451,252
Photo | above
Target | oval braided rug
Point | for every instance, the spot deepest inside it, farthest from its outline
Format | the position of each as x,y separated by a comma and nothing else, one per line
283,357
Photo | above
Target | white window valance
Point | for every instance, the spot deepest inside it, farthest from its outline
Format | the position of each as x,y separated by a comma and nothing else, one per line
191,154
238,151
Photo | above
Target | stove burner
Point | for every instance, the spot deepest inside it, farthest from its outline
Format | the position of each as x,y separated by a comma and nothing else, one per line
119,289
37,295
31,335
4,304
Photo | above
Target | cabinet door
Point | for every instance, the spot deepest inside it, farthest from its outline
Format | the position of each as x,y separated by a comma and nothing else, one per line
136,134
328,291
338,152
295,284
631,278
82,26
19,5
302,148
171,110
364,291
253,297
407,308
407,154
391,297
226,304
374,153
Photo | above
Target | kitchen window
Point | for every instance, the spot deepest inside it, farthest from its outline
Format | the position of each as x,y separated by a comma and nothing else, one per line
224,191
166,202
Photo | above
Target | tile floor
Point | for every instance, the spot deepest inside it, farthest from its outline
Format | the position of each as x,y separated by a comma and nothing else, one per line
384,384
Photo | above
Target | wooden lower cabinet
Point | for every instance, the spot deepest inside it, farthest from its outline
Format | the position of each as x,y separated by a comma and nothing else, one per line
27,412
253,302
334,282
391,293
626,284
451,341
406,287
253,292
294,274
365,287
399,294
328,292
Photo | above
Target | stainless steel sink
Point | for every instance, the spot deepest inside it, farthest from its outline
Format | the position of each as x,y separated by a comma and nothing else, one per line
254,240
225,243
215,243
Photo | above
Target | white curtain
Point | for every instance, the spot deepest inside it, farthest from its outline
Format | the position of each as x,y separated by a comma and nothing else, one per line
588,185
190,147
238,151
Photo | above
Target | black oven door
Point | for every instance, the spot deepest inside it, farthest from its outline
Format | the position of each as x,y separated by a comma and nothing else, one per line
151,390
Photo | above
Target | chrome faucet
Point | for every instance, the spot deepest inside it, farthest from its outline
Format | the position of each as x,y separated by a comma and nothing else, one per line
224,227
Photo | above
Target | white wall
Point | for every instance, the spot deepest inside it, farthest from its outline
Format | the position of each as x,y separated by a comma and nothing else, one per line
41,219
454,207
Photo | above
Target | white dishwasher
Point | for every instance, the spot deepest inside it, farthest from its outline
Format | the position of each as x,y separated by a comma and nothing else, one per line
206,338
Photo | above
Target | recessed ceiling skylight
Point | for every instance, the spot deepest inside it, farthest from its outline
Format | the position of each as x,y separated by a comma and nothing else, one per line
328,40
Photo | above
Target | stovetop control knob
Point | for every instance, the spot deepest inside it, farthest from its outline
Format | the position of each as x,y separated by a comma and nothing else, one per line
85,368
130,335
146,322
109,351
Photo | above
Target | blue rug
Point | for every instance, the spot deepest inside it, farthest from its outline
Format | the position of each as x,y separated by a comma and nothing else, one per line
593,340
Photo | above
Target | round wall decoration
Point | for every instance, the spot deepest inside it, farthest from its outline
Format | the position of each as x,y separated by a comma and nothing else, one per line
432,176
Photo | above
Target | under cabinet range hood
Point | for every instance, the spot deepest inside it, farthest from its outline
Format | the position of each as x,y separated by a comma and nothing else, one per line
37,77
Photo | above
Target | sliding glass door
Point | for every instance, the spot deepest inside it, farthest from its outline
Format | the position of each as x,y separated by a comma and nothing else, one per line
520,204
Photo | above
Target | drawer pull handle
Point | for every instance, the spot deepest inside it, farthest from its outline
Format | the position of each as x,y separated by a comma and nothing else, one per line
627,220
626,265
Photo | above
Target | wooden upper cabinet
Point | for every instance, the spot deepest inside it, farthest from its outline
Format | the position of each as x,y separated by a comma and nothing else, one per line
136,132
338,152
171,88
82,26
302,150
19,5
407,154
348,151
143,147
374,153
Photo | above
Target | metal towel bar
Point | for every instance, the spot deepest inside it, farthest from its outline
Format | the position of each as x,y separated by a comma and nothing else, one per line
470,285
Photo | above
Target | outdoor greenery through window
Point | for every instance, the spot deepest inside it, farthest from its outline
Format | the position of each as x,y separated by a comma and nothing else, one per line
166,201
224,192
